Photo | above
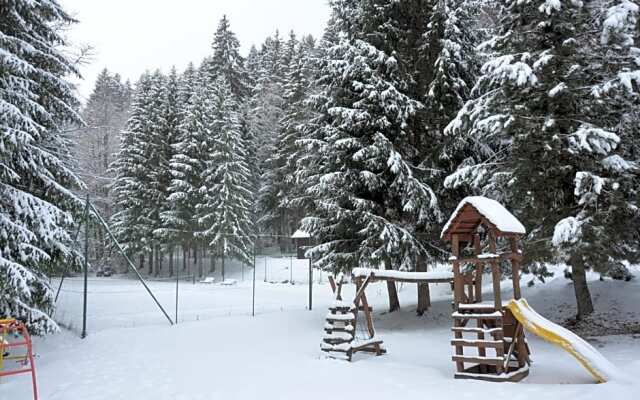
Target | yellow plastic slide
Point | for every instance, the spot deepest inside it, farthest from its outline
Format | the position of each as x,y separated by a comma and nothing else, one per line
590,358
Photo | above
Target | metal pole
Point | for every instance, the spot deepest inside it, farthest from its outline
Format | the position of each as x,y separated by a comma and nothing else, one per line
265,267
177,284
291,270
86,276
253,296
310,286
131,265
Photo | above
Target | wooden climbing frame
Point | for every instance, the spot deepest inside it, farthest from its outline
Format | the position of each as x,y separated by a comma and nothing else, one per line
340,340
499,349
15,337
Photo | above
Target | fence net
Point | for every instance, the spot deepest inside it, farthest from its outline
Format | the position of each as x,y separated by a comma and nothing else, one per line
189,289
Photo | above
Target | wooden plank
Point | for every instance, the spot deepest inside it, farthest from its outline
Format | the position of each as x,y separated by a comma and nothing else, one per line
495,272
362,286
512,346
477,248
457,283
483,260
497,361
459,351
481,344
332,283
476,330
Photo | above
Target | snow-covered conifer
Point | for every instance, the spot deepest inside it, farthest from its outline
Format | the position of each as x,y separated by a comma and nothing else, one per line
36,204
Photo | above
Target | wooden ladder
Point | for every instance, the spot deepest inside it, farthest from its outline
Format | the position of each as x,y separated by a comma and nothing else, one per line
339,331
495,342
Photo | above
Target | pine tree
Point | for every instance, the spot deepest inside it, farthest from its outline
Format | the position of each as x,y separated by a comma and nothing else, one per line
168,138
226,60
130,226
264,117
285,209
226,211
542,144
187,163
37,207
368,200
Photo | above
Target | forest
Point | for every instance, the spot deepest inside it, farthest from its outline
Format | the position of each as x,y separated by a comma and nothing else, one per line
366,138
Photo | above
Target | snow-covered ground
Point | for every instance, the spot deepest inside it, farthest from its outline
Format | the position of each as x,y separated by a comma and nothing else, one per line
218,351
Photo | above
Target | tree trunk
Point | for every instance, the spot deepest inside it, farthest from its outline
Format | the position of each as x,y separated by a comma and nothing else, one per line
151,262
160,261
212,260
141,262
394,301
185,255
581,289
424,302
222,267
171,261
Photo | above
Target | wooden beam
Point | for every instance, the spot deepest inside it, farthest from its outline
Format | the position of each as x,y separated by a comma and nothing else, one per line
515,269
479,267
458,289
495,272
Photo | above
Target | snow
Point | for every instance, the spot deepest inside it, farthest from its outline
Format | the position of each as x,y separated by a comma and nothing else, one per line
488,255
493,211
567,231
227,354
430,275
300,234
616,163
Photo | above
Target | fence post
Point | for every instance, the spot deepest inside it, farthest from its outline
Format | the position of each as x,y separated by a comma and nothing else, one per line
86,275
253,294
310,286
177,284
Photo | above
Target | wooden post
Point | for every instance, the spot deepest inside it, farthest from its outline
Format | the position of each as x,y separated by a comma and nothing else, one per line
479,267
495,272
515,269
458,283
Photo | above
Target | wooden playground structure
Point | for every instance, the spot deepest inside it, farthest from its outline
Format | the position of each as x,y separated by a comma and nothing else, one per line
488,342
497,349
341,335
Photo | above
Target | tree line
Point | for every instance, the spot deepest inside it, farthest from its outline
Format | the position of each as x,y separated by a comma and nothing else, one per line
367,138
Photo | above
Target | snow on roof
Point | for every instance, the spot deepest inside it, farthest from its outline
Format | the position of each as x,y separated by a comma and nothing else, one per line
493,211
300,234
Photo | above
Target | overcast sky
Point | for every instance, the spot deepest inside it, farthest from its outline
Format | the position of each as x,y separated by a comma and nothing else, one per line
130,36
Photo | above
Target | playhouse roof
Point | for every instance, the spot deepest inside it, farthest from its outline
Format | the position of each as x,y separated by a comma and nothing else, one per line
472,210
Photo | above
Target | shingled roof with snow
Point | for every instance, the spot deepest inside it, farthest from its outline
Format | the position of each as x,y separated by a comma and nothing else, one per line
472,210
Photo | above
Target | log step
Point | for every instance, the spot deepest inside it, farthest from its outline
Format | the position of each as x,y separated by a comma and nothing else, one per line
348,317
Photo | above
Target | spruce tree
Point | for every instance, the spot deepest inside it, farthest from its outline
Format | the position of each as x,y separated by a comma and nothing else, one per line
130,222
37,208
368,200
542,144
226,60
187,163
225,214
